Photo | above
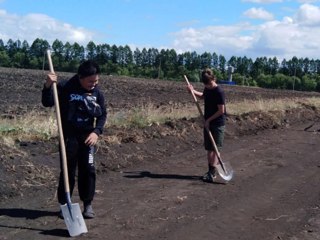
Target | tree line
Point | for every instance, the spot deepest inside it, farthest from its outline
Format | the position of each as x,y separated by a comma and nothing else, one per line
295,73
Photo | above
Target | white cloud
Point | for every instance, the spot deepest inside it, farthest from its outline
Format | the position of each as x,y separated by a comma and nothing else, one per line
219,39
309,15
294,35
32,26
258,13
262,1
308,1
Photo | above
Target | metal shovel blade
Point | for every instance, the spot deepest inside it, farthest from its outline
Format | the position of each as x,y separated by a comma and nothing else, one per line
73,218
226,173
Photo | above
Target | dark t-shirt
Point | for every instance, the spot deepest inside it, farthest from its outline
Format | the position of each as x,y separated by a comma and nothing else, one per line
213,98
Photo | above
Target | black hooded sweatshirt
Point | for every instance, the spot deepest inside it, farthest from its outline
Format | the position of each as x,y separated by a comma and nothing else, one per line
78,114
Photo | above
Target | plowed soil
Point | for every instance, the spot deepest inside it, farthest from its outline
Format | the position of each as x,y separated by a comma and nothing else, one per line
148,179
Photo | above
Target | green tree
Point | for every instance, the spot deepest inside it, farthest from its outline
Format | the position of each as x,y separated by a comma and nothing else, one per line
244,66
317,79
215,61
264,81
25,49
4,59
294,83
295,67
196,63
91,50
103,54
284,69
11,48
144,58
18,60
306,66
205,60
127,55
2,46
308,83
153,57
233,61
37,53
273,65
77,52
222,65
67,56
114,54
257,68
238,79
280,81
58,54
137,57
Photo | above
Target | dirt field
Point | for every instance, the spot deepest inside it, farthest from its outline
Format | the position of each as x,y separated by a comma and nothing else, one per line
148,184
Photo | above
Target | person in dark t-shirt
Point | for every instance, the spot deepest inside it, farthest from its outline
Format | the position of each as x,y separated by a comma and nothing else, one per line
214,115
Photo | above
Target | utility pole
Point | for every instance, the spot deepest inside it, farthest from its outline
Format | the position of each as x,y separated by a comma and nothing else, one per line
159,70
294,77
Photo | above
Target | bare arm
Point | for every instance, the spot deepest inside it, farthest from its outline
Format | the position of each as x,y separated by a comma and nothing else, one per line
221,111
197,93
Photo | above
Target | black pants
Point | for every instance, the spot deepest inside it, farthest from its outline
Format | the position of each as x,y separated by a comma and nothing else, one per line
81,156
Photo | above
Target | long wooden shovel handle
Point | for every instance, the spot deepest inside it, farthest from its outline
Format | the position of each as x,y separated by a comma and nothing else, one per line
194,98
61,138
208,130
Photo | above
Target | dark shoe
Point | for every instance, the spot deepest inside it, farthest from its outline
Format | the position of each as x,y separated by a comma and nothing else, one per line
208,177
88,212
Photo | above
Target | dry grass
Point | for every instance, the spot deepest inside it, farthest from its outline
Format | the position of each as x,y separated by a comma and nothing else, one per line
35,126
31,126
149,114
271,105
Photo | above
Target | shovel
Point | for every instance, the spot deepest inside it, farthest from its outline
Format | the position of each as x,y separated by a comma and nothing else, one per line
224,168
71,211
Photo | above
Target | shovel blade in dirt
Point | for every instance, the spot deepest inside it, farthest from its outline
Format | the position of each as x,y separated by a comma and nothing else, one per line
73,218
226,173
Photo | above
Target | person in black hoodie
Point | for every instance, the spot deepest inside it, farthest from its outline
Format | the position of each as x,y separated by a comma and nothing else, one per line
83,116
214,115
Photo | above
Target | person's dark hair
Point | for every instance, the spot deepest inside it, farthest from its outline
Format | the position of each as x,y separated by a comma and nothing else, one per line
88,68
207,76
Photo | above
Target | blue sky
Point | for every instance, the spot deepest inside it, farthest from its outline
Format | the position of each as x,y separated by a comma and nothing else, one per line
252,28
